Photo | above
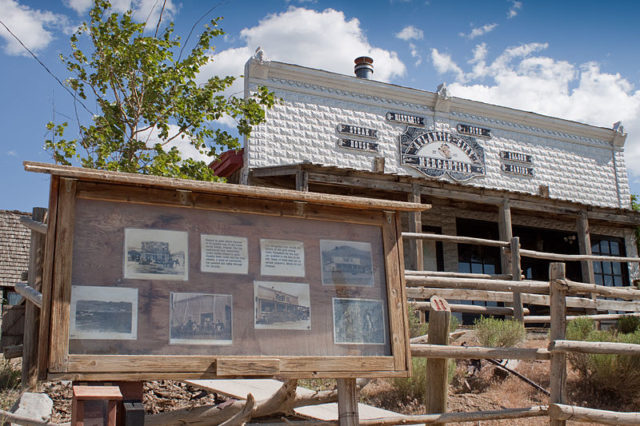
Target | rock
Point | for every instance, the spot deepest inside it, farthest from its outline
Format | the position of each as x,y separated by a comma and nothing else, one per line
36,406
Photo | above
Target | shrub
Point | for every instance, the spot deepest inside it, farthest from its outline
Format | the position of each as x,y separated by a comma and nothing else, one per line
616,377
499,333
415,387
628,324
416,328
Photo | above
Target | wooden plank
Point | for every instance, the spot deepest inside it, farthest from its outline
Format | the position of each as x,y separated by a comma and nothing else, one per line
455,239
34,225
575,257
31,292
96,392
437,372
597,317
13,351
47,280
558,372
629,293
248,367
567,412
516,275
594,347
477,352
222,188
536,287
471,309
458,275
61,288
347,402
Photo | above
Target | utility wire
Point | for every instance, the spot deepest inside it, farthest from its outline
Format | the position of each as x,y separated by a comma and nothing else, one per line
46,68
221,3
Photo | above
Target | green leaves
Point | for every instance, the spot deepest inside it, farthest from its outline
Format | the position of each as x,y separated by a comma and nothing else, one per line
148,100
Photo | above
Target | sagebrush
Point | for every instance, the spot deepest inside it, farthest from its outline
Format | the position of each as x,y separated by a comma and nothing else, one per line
499,333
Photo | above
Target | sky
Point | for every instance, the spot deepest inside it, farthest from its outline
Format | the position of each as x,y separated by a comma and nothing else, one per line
577,60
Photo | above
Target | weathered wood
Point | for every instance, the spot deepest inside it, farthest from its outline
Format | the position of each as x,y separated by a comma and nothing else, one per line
457,275
302,180
505,232
13,325
561,412
247,367
347,402
536,287
13,351
594,347
477,416
34,225
584,245
414,246
242,416
477,352
454,239
29,293
575,257
222,188
519,376
437,372
629,293
516,275
597,317
22,420
558,372
471,309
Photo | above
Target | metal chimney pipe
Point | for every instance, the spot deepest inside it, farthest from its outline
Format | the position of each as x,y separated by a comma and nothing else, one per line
364,67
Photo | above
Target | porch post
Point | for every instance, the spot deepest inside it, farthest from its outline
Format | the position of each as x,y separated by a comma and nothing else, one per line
416,261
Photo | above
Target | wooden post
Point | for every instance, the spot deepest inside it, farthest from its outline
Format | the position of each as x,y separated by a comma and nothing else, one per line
437,371
416,261
347,402
32,313
505,233
557,290
302,180
584,244
516,272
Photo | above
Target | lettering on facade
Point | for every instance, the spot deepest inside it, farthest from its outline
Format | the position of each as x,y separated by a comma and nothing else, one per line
363,132
517,169
398,117
435,153
474,131
516,156
366,146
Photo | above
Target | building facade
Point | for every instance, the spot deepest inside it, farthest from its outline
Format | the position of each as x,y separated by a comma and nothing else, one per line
488,171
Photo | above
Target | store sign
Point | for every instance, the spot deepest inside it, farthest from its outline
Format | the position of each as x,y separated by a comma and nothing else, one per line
435,153
398,117
517,169
465,129
516,156
366,146
363,132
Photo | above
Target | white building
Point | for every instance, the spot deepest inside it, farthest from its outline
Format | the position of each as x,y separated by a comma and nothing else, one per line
488,171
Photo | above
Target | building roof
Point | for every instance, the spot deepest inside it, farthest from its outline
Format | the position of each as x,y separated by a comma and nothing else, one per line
15,240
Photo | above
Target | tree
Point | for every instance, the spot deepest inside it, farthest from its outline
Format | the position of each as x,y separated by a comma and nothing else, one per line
142,86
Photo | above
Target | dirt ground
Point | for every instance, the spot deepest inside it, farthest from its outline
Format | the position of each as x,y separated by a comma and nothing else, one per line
476,387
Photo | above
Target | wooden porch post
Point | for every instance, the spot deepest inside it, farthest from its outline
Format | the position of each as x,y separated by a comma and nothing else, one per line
584,244
416,261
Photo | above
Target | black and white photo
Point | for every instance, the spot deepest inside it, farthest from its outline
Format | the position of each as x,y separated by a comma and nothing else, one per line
156,254
103,313
358,321
282,305
201,319
346,263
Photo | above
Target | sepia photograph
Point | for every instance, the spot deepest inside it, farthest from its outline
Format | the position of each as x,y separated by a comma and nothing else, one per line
346,263
103,313
155,254
358,321
282,306
201,319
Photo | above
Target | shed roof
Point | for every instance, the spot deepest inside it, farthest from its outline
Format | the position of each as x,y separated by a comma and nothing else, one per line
15,240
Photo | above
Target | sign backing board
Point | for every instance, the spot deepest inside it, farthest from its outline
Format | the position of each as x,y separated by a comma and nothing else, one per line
149,278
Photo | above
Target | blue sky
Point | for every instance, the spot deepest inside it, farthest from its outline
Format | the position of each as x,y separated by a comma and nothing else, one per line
572,59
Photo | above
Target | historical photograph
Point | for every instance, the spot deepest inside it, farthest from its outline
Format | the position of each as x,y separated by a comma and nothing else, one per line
224,254
346,263
282,305
358,321
201,319
103,313
155,254
283,258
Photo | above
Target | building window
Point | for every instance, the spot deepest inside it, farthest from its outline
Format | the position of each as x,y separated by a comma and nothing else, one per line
611,274
478,259
433,258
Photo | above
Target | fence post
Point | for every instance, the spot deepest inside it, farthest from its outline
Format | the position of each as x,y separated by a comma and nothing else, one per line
32,313
347,402
557,291
516,272
437,371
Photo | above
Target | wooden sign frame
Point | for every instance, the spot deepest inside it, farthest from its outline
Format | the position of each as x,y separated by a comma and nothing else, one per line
84,243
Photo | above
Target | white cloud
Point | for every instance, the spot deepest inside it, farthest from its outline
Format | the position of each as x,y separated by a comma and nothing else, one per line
415,54
324,40
12,153
183,144
410,33
477,32
514,9
143,10
32,26
522,78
